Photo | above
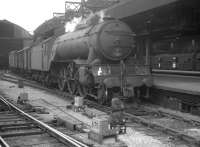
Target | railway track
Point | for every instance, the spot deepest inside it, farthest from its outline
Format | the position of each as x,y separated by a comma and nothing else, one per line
176,126
160,121
18,128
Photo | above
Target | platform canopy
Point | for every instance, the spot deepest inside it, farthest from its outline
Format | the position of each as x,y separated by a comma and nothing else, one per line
11,30
132,7
158,16
12,37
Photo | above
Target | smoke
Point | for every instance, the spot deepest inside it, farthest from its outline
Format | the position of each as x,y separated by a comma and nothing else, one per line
101,15
91,19
71,26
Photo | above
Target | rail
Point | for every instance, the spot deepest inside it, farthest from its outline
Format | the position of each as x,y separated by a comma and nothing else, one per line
3,143
64,138
5,102
135,116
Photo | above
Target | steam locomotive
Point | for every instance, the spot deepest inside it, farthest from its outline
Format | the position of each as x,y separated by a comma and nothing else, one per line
96,59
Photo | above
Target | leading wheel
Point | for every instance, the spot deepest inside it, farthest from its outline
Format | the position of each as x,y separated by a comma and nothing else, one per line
71,86
62,79
82,90
72,81
102,94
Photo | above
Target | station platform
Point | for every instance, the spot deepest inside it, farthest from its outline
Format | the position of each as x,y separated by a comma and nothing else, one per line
177,83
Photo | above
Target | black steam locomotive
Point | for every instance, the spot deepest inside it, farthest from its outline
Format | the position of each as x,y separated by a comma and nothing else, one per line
96,59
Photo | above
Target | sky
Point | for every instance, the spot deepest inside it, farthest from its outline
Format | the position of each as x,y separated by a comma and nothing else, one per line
29,14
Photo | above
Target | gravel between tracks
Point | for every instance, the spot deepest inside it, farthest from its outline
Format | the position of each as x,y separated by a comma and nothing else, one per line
136,136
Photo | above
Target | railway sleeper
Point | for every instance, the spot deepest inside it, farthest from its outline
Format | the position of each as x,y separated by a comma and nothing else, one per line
34,140
190,139
7,113
11,119
164,129
18,127
194,120
16,124
172,132
14,134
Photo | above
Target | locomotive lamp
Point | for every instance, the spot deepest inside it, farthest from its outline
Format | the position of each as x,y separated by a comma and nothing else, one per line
159,62
100,72
173,65
159,65
174,62
103,71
